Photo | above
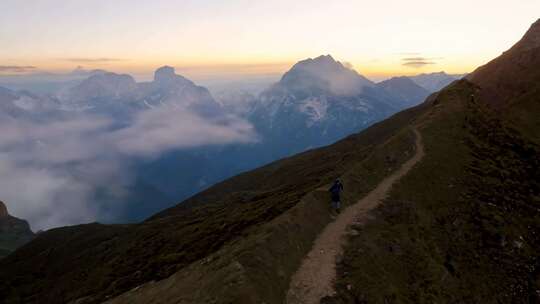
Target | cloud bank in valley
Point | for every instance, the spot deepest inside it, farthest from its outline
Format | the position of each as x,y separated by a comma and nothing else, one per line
161,129
51,167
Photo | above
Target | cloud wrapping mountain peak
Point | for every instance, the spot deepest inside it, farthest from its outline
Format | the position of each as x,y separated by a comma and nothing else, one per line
324,74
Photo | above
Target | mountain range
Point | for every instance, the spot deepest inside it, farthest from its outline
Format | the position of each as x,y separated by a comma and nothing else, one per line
317,102
462,226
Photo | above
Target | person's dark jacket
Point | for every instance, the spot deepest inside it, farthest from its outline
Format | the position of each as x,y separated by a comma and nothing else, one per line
335,191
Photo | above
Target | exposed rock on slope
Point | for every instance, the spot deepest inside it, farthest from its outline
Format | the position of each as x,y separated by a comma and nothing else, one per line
3,210
14,232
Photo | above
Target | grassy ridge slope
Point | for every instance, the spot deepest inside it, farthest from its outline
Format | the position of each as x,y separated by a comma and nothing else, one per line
472,235
258,268
464,225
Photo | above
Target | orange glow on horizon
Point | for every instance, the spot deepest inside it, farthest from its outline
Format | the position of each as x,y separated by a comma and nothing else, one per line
208,68
252,38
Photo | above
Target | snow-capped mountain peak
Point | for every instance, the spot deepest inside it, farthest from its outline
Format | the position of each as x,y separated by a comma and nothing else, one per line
324,74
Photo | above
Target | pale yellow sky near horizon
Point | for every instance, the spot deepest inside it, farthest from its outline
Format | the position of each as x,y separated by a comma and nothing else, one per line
242,37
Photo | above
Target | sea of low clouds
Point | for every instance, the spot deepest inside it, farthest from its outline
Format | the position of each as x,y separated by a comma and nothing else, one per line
50,168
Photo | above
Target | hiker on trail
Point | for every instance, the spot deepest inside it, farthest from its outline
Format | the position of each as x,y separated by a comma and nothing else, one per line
335,191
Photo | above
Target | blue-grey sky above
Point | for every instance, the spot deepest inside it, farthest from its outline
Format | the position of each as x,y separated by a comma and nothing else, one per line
255,37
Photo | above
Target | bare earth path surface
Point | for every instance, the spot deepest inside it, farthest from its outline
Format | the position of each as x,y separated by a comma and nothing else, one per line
315,277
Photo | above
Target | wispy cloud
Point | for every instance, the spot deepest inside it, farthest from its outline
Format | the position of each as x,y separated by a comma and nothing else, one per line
419,61
16,68
93,60
417,64
415,59
348,65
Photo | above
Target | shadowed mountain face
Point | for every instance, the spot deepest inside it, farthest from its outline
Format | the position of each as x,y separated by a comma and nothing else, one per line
14,232
320,101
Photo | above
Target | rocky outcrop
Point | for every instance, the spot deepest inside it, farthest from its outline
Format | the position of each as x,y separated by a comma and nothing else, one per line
14,232
3,210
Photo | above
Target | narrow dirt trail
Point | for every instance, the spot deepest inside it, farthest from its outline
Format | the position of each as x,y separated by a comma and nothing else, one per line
316,276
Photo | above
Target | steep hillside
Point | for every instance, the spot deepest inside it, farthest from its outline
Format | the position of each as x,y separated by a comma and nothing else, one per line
14,232
510,83
463,226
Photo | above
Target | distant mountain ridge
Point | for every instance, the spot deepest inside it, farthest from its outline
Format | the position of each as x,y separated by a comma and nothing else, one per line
317,102
434,82
105,91
405,90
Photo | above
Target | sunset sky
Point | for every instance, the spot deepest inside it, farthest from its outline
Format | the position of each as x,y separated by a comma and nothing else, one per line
247,37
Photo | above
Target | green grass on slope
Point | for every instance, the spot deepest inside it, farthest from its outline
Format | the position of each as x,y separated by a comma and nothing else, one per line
272,254
258,267
524,114
463,226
